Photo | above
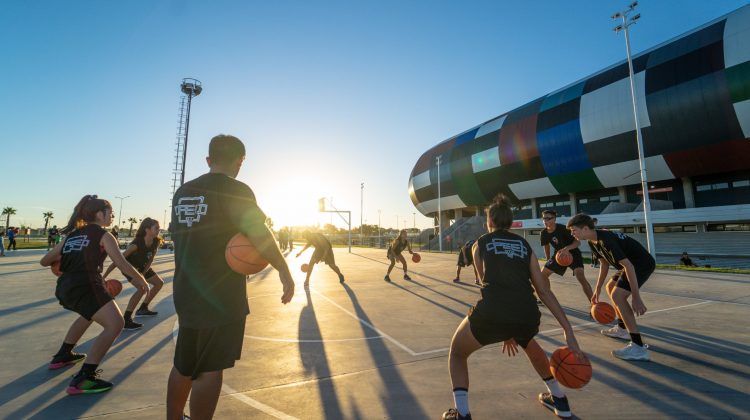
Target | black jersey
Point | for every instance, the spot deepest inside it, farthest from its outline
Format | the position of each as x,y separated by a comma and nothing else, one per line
82,255
616,246
558,238
206,213
143,254
319,242
507,294
399,245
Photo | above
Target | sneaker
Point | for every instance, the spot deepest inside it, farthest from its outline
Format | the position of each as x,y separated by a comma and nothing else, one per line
387,278
456,280
132,325
477,282
60,361
406,277
453,414
632,352
617,332
145,312
87,383
558,405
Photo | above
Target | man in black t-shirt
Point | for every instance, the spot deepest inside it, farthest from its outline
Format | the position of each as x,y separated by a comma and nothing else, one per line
634,264
210,299
466,259
323,252
563,242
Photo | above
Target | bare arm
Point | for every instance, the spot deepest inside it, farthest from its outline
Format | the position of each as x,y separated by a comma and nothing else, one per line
113,250
603,270
53,255
131,249
546,251
573,245
266,245
478,263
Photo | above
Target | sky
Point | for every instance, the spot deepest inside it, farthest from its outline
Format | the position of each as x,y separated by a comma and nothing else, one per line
326,95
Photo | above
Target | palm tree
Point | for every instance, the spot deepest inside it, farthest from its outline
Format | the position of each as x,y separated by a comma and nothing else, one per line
47,216
132,221
8,211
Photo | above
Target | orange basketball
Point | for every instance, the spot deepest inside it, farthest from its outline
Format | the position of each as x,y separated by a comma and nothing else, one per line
242,256
55,267
416,257
305,268
568,370
603,312
114,287
564,259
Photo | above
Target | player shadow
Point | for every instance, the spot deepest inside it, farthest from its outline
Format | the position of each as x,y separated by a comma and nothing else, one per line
8,264
314,359
398,396
711,346
439,305
463,286
666,395
26,306
21,272
29,323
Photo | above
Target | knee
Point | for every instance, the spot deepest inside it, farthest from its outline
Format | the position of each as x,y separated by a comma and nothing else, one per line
157,283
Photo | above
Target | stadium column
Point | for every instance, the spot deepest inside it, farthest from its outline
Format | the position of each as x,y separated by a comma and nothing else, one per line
459,214
687,188
533,208
623,194
573,204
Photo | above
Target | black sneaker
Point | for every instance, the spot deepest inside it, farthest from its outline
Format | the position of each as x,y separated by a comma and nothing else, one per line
457,280
406,277
87,383
453,414
132,325
387,278
145,312
558,405
60,361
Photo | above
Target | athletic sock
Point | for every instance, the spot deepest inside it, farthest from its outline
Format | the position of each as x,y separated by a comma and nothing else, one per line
621,324
636,338
144,306
461,399
89,367
66,348
128,315
554,387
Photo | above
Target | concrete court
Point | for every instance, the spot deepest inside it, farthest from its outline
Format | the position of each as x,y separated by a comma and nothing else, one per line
372,350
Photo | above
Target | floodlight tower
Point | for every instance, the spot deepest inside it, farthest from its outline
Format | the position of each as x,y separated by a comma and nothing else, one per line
190,88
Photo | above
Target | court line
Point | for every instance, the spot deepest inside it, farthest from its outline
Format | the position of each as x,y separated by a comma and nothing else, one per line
231,392
294,340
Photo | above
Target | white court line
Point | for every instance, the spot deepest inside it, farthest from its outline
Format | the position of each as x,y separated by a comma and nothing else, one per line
241,397
294,340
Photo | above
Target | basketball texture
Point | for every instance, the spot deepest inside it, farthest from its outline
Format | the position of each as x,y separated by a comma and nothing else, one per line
242,256
416,257
114,287
564,259
568,370
603,312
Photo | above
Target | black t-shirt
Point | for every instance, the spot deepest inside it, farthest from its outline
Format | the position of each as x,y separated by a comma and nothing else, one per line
507,294
319,242
143,254
558,238
615,246
52,232
206,213
83,255
399,245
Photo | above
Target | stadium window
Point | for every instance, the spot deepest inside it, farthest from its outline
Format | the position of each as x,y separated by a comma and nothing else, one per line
700,188
583,201
534,232
743,183
720,186
728,227
628,229
675,228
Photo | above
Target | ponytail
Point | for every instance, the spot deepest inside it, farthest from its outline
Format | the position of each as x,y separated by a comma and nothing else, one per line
85,212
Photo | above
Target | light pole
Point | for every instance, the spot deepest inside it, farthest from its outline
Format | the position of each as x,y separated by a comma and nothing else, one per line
414,215
638,137
379,240
119,213
361,207
440,210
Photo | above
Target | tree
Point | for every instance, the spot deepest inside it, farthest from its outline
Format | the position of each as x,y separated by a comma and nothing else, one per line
47,216
132,221
8,211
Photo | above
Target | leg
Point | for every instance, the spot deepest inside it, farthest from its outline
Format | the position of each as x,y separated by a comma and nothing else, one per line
610,288
538,359
80,325
390,267
206,390
109,317
578,272
310,266
463,345
157,284
178,390
133,302
403,262
620,299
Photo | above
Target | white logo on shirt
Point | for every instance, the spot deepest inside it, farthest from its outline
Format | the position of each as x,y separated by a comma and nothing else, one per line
76,243
190,209
510,247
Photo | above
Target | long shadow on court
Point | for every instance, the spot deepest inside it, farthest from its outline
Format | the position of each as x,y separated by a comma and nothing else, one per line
21,272
313,354
439,305
25,306
397,396
462,286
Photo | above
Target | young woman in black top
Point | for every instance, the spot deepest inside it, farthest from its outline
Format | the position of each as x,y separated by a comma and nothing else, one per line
507,311
140,253
394,253
81,289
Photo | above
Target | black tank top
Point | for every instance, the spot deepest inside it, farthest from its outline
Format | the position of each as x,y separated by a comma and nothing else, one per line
82,254
507,294
143,254
399,245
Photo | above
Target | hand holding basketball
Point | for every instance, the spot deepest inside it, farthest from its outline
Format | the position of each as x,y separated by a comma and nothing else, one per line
416,257
569,370
603,312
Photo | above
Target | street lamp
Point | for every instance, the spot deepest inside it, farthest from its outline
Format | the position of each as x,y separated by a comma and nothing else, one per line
379,240
638,137
119,213
440,210
361,207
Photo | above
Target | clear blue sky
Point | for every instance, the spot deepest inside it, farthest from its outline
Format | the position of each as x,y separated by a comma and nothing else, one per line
325,94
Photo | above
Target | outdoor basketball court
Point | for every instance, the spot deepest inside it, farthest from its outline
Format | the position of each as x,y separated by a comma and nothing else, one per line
370,350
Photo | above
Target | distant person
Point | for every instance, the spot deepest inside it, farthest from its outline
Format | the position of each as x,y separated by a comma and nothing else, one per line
556,235
323,252
687,261
115,232
2,245
140,254
290,239
282,239
594,257
12,233
635,265
465,259
81,289
52,234
398,246
210,299
507,313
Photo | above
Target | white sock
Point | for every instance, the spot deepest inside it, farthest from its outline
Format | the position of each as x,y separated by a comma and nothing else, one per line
554,388
461,399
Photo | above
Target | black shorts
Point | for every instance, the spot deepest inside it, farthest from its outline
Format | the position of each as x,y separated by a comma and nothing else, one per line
201,350
465,261
621,277
81,296
147,274
318,257
489,331
556,268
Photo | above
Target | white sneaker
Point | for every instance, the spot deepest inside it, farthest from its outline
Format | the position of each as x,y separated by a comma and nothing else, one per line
617,332
632,352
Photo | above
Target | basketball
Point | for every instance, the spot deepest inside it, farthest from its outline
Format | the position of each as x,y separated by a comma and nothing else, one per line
55,267
568,370
564,259
114,287
603,312
305,268
416,257
242,256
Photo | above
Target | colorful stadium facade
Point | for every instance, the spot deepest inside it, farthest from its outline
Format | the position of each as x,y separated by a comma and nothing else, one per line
575,149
